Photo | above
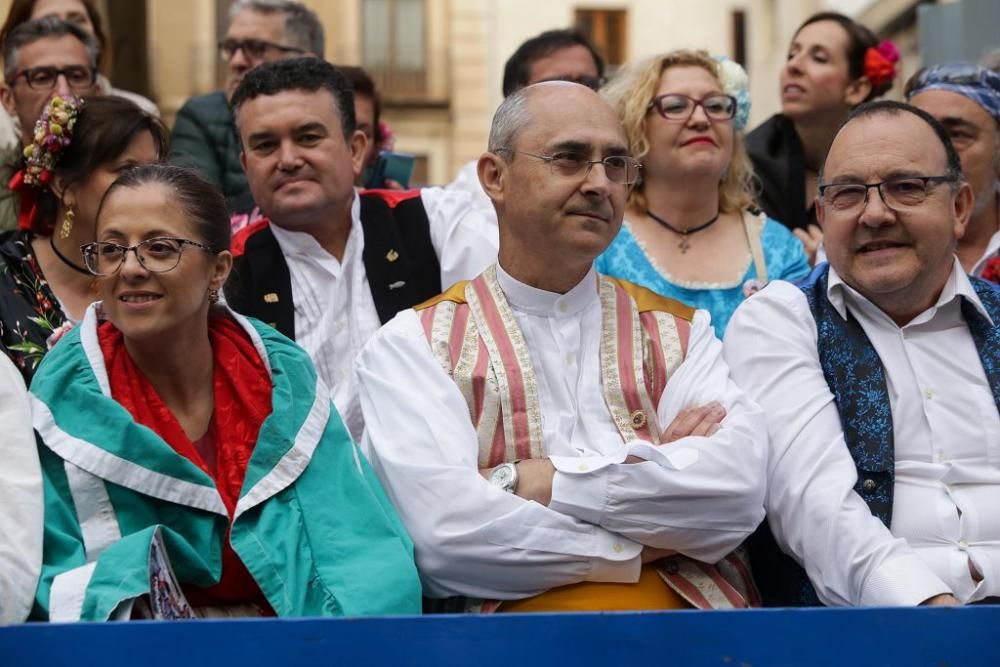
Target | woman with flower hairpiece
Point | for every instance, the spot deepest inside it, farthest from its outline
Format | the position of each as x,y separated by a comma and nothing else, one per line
833,64
79,148
689,231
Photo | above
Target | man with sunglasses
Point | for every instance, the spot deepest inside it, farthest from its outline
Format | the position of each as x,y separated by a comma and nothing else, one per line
880,377
204,136
554,55
966,100
42,59
545,431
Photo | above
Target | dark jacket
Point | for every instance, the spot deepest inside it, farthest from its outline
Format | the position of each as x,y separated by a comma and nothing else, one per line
204,138
778,161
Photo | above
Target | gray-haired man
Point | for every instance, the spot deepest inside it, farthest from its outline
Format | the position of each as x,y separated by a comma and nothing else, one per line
204,136
42,59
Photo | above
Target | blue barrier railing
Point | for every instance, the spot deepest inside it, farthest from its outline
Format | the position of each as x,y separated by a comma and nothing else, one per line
771,637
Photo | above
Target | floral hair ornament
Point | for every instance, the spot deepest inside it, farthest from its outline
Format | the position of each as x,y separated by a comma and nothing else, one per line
880,63
734,81
53,134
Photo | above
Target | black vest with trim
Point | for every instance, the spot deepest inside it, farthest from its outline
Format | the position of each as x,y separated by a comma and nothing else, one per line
399,259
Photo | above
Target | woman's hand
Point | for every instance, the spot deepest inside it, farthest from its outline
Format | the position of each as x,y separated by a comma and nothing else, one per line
811,238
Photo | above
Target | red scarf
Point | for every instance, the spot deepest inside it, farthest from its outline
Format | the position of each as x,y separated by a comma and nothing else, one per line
242,389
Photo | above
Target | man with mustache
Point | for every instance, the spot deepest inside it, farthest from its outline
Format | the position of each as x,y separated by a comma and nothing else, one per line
966,100
328,264
545,431
880,376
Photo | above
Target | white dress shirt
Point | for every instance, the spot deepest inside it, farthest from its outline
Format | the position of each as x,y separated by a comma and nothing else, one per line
946,430
334,310
992,248
21,502
698,495
467,181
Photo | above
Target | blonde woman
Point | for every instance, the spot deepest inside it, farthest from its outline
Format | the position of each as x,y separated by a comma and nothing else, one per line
690,232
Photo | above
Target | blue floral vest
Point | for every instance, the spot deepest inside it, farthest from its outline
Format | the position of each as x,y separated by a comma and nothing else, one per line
856,377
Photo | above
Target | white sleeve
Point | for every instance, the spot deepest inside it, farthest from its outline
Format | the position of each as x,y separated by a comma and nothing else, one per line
470,537
465,237
21,502
816,516
701,496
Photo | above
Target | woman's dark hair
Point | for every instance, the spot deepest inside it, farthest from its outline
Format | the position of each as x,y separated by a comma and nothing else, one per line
202,203
20,12
103,131
859,40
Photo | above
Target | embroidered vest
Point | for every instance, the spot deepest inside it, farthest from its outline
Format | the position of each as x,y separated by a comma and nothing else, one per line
855,374
473,333
399,258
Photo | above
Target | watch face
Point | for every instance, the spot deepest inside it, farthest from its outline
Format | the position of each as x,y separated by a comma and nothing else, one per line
502,476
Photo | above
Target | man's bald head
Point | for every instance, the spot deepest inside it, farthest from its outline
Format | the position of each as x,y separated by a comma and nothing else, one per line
518,109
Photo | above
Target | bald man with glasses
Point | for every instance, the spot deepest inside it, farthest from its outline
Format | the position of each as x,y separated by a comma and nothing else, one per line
554,439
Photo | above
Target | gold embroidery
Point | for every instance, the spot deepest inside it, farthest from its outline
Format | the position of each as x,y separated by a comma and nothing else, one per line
271,297
638,419
392,255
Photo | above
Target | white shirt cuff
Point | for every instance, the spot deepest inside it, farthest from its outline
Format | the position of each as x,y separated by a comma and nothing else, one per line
902,581
614,571
580,494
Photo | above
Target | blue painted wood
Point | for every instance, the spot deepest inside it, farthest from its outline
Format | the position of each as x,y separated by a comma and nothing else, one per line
772,637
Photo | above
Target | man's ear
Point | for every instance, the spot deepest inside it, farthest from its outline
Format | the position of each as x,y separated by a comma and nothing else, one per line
359,152
962,205
857,91
492,171
7,98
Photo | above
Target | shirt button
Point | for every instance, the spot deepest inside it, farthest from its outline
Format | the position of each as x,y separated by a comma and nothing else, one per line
868,485
618,547
928,394
570,359
963,544
941,458
563,306
583,467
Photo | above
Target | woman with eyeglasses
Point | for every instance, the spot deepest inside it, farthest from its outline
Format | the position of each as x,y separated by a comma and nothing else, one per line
44,284
85,15
833,64
689,232
170,423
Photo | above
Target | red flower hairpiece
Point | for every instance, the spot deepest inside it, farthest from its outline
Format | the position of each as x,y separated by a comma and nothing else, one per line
880,63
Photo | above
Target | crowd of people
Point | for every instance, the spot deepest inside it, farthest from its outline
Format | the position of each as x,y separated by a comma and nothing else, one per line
633,357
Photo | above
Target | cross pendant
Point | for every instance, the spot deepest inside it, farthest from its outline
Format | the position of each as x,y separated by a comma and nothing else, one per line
684,245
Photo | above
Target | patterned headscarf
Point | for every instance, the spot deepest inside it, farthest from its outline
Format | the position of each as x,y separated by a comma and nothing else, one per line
979,84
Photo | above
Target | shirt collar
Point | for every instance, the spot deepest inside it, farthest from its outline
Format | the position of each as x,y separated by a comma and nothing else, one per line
957,286
992,248
303,244
535,301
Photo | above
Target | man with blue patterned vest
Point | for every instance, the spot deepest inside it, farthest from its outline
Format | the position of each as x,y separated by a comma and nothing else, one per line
554,439
880,376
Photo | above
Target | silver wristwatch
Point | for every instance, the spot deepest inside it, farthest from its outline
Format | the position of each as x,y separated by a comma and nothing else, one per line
504,476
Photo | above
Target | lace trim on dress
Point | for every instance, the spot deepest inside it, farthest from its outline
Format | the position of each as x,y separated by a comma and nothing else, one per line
689,284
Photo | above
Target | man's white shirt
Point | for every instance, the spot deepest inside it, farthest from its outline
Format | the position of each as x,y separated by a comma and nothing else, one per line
21,501
700,496
946,431
335,313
